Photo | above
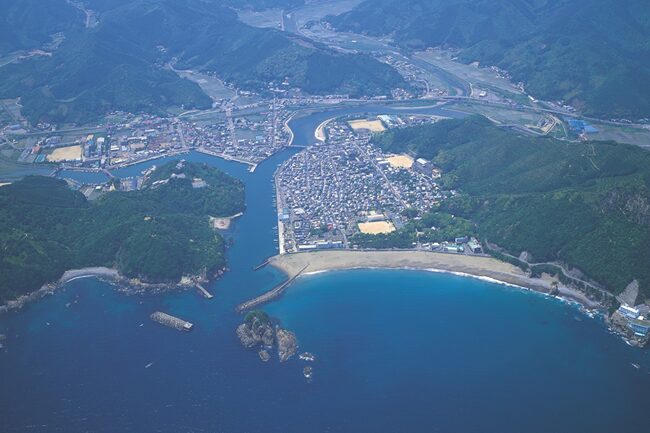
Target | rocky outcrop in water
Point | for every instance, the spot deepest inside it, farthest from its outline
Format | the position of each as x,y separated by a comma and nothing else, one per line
287,344
256,330
259,331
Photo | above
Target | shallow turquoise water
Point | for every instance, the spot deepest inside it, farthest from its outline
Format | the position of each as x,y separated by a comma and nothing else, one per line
398,351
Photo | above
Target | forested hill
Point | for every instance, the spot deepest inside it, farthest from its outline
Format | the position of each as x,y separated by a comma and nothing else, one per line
120,63
157,234
593,53
586,204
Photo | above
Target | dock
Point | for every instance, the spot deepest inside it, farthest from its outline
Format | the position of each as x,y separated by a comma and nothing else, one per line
268,296
171,321
204,292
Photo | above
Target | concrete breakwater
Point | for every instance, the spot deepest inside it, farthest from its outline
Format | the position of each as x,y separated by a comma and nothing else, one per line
171,321
271,294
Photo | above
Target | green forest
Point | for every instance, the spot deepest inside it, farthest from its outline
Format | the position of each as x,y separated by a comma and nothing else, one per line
123,63
158,234
586,204
593,54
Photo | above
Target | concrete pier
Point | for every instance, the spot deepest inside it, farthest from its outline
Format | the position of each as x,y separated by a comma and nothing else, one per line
204,292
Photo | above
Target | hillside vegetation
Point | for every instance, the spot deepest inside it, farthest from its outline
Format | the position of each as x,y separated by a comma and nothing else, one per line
121,64
158,234
585,204
591,53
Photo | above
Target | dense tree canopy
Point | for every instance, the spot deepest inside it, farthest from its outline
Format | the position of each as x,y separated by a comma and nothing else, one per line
158,234
587,203
592,53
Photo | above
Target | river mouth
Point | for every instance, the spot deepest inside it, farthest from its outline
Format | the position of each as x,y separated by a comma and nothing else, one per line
396,351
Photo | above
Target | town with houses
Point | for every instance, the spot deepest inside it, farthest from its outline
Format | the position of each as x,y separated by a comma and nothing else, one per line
346,185
248,135
337,187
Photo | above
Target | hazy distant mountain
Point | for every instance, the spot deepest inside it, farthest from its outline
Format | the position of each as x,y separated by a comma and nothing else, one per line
29,23
120,63
593,53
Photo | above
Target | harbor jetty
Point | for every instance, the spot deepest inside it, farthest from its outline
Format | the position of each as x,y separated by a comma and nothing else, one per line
204,292
171,321
261,265
271,294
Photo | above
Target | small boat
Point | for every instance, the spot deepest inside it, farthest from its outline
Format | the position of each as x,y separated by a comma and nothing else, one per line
307,372
637,366
148,365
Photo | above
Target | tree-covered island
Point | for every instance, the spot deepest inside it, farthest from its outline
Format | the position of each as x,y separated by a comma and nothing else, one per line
157,234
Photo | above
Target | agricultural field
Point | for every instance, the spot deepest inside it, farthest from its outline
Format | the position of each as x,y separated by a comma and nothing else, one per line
626,134
470,73
212,86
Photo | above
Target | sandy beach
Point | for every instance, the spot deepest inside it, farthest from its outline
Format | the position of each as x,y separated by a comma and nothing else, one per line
477,266
100,272
223,223
320,134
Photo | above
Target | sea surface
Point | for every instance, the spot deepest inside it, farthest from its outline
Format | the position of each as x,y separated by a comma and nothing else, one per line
397,351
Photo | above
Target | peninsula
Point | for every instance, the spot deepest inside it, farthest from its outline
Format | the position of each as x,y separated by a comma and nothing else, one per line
158,235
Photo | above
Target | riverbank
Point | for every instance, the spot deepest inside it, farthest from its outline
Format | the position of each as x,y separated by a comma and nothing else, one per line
320,133
474,266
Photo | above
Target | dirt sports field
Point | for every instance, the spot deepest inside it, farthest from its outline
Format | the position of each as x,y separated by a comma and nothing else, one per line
376,227
370,125
400,161
69,153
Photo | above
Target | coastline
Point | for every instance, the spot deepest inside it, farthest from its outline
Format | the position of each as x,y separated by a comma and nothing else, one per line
112,275
485,268
103,273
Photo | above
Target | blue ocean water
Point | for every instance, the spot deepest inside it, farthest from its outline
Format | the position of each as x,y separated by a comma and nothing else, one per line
397,351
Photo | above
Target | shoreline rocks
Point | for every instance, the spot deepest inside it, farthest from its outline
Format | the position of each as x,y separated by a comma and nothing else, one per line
287,344
128,286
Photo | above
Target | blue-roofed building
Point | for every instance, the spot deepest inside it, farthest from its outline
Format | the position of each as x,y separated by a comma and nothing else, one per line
580,126
639,327
635,320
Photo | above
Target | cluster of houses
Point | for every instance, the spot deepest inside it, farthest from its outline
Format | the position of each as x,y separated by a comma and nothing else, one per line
345,185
